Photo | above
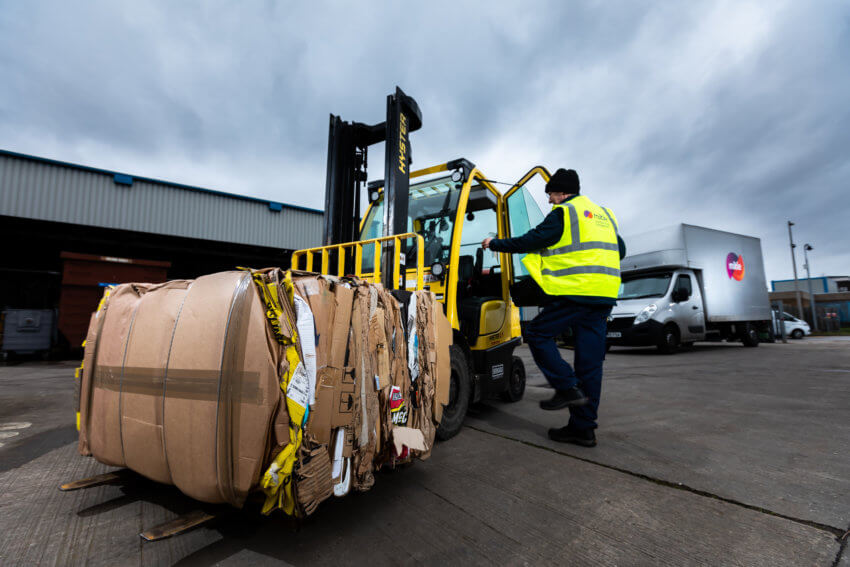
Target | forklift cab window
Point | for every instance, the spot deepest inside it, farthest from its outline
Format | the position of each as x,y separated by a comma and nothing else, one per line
431,213
523,215
480,222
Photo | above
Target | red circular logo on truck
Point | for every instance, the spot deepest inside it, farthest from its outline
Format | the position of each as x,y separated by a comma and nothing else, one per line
735,266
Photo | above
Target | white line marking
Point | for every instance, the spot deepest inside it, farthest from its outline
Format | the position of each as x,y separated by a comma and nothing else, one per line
7,434
14,425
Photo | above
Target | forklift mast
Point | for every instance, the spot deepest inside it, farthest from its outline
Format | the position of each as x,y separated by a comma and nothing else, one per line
348,144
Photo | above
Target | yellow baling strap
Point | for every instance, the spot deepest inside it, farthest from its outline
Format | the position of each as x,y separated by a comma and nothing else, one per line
78,373
277,480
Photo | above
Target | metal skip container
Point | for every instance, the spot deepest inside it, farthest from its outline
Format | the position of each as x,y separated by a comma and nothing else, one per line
27,331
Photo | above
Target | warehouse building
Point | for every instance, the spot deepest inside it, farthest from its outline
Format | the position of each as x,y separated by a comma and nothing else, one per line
830,295
822,284
68,230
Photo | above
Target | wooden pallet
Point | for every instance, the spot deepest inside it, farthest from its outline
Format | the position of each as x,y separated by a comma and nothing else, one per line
174,527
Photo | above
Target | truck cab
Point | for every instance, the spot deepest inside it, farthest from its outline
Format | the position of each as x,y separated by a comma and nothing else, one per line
658,307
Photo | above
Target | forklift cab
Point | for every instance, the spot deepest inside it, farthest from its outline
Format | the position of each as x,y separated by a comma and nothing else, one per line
454,208
424,229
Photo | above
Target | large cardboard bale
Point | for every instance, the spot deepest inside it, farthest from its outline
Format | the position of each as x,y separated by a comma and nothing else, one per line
183,382
103,420
145,370
221,390
185,385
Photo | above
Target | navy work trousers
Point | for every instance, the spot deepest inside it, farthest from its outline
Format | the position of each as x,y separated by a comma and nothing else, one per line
588,325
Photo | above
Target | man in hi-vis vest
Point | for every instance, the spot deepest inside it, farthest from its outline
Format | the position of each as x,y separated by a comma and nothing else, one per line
574,256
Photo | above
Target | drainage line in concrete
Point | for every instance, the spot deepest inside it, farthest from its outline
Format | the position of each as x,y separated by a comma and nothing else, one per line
839,533
843,539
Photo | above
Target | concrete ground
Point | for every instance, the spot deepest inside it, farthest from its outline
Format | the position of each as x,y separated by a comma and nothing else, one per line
722,455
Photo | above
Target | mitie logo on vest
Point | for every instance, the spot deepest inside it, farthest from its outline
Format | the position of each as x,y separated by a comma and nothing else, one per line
735,266
599,220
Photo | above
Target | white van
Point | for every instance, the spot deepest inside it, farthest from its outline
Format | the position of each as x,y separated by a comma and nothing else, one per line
794,328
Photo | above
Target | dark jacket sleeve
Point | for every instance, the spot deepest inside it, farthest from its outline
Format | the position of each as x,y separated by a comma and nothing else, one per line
541,236
622,244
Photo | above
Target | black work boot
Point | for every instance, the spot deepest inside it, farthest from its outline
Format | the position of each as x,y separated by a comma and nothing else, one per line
565,398
583,437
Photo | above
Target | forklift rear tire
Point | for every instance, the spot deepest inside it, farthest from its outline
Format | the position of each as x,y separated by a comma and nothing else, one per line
459,390
516,384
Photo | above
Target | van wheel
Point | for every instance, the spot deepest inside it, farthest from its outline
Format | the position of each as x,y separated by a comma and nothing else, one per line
516,384
459,391
796,334
669,342
750,336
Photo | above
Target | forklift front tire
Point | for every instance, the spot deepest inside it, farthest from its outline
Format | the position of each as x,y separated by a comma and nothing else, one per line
516,384
459,391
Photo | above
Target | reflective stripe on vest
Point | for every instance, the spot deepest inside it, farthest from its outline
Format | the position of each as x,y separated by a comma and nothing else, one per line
581,270
572,266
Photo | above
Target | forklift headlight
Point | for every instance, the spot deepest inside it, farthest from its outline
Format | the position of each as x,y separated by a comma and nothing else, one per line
457,175
374,195
438,270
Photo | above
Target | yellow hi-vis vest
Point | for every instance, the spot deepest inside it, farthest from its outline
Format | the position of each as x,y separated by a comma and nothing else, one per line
586,260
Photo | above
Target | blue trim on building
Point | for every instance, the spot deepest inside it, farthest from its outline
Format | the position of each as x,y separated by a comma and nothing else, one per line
115,176
122,179
823,279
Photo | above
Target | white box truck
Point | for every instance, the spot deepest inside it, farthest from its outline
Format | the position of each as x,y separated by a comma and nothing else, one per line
688,283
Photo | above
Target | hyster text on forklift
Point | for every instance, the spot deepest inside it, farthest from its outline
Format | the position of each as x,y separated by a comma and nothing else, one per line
424,229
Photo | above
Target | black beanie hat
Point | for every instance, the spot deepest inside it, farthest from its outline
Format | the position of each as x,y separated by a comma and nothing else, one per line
564,181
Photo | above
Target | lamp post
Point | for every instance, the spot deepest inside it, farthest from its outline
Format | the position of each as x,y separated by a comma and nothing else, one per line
806,248
794,263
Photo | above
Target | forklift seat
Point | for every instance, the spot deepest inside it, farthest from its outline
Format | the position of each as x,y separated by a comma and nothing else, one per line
465,269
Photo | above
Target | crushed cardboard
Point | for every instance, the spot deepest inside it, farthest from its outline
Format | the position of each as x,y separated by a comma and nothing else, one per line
182,382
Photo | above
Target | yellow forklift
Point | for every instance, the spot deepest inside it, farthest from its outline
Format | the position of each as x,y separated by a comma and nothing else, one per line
423,229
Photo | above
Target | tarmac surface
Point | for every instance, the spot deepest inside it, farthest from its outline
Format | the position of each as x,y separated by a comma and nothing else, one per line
721,455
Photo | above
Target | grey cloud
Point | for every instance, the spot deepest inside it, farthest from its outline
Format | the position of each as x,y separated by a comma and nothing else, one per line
731,115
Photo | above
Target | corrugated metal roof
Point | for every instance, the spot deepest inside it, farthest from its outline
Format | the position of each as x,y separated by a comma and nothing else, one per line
38,188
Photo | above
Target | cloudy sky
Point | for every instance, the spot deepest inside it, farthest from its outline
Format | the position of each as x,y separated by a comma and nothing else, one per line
733,115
